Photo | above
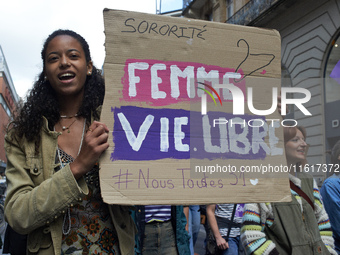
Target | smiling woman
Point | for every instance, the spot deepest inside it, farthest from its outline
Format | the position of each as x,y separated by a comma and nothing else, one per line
298,227
66,68
53,146
295,146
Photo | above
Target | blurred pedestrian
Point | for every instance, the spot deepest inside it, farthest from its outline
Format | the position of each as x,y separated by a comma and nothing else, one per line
330,192
225,223
161,230
193,215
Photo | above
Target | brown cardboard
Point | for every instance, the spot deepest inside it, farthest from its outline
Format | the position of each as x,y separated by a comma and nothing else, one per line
140,46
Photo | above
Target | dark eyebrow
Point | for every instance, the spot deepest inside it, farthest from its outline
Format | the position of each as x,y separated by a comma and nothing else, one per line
73,50
55,52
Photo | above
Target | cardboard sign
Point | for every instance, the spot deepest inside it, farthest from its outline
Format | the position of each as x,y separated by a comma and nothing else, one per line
185,104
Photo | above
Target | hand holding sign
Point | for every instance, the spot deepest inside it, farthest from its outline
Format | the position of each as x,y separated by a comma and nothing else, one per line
94,144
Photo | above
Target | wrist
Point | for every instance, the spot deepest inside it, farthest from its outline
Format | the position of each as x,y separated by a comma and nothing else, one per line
76,170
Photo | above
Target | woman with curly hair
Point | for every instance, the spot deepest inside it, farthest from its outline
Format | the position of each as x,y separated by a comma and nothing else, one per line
53,146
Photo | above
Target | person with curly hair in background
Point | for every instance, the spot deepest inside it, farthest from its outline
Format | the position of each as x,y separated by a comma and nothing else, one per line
53,146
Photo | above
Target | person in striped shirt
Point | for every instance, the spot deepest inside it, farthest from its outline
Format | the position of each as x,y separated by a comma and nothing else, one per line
299,227
161,230
225,223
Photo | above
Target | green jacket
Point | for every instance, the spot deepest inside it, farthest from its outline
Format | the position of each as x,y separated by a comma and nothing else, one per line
297,232
37,196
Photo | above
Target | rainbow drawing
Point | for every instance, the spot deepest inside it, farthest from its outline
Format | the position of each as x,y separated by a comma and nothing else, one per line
213,90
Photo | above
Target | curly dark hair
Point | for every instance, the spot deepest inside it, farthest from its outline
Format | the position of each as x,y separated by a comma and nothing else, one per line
42,100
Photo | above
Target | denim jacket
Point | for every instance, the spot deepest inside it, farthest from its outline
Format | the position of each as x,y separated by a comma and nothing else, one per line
37,196
330,192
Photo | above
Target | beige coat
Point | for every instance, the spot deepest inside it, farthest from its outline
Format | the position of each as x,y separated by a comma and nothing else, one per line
37,196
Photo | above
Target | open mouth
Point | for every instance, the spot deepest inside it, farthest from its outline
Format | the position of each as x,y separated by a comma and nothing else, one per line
66,76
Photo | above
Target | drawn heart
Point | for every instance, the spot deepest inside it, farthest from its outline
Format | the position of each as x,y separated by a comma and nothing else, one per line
254,182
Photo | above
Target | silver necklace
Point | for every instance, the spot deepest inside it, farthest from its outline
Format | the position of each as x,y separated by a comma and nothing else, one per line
67,217
68,128
68,117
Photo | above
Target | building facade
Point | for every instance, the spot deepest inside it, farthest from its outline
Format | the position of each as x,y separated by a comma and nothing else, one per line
310,54
8,101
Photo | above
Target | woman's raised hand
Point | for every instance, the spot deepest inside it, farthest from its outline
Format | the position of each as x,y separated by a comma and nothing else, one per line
94,144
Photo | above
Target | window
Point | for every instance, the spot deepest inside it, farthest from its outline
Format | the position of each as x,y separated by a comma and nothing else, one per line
332,72
230,8
286,81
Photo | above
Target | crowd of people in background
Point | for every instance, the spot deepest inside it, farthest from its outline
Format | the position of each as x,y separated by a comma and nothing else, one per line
54,204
